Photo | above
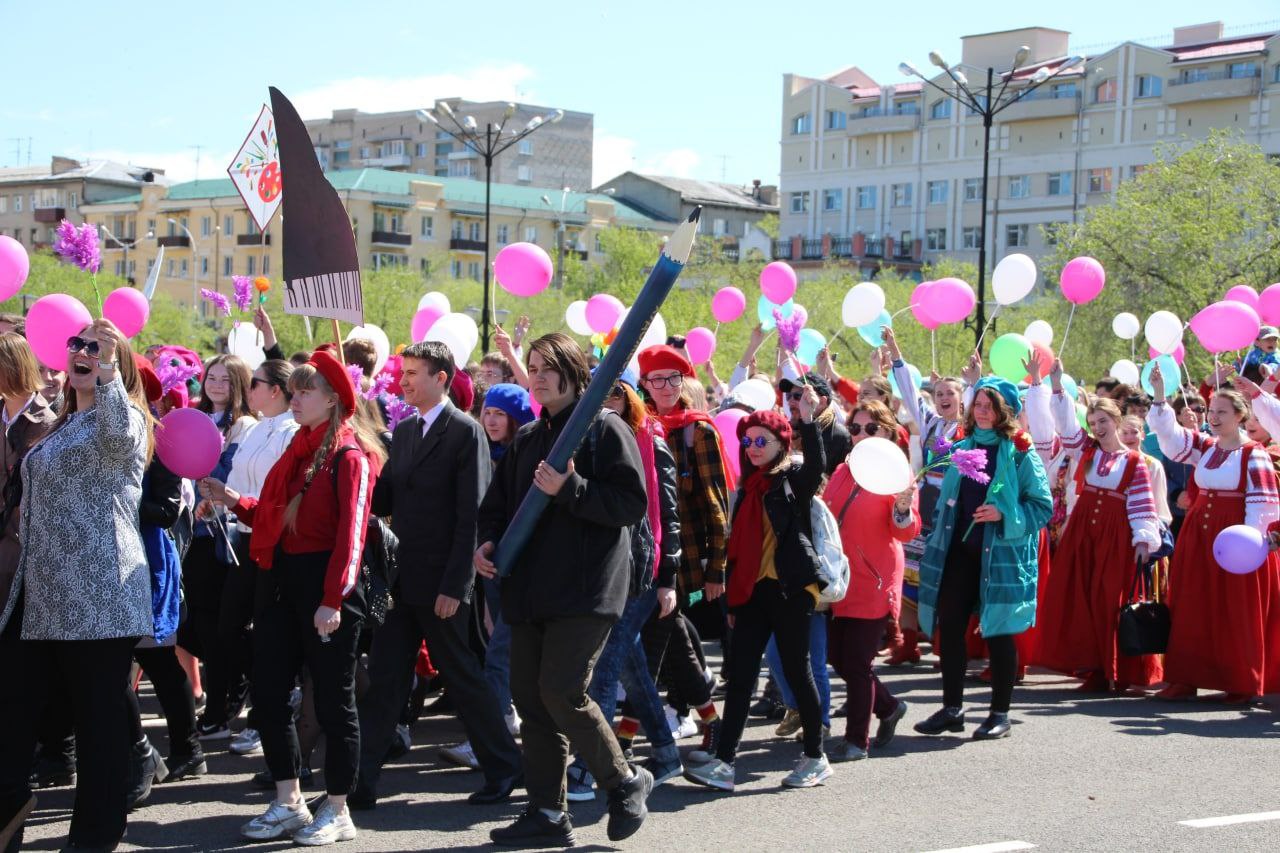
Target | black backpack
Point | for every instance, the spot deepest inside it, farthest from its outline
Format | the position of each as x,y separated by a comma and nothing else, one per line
377,560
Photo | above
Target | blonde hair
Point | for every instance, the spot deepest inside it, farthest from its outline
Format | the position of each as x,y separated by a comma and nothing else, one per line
1108,407
19,373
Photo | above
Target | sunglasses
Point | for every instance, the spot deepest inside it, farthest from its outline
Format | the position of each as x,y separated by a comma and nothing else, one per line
795,396
675,381
759,441
255,381
617,393
77,344
856,429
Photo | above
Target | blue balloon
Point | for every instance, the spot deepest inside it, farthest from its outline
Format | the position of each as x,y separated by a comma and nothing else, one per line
811,343
1070,387
1168,368
764,311
872,332
916,379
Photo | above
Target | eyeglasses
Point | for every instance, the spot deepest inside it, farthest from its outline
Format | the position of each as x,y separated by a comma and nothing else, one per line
253,383
856,429
674,380
77,344
759,441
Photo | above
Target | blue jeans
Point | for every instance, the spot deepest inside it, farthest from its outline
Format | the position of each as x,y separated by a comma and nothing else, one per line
817,659
497,656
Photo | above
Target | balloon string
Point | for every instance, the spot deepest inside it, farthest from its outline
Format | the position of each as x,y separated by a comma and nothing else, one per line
933,347
995,312
716,333
900,311
1217,387
1067,333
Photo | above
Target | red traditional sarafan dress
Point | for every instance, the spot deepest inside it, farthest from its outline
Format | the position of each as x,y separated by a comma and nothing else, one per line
1095,563
1226,627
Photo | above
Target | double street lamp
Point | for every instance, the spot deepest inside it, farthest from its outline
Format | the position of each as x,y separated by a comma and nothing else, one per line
488,143
126,245
988,104
560,213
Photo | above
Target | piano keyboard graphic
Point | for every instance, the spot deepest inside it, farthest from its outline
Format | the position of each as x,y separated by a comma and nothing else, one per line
334,295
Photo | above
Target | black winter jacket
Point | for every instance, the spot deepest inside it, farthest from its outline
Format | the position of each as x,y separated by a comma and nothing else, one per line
669,497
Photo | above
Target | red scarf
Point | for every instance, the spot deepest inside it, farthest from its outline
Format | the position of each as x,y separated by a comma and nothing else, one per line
678,418
278,490
746,541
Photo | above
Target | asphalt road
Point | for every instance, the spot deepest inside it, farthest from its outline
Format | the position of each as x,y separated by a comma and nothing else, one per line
1079,773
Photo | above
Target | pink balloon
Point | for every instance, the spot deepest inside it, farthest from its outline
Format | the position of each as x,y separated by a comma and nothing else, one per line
1225,326
423,321
700,344
1178,354
728,304
949,300
523,269
1243,293
603,311
727,425
128,309
778,282
1269,305
1082,280
188,443
535,407
918,299
14,266
50,322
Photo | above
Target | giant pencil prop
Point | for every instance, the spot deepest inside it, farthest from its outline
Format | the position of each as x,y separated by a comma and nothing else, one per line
663,277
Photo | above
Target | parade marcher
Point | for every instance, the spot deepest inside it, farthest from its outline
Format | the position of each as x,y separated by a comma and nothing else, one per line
773,586
563,595
983,555
835,438
82,591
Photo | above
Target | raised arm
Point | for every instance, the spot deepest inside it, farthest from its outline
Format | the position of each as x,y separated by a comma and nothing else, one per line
921,412
1176,442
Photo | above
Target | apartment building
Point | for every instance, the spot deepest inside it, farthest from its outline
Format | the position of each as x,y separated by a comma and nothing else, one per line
876,173
557,155
399,219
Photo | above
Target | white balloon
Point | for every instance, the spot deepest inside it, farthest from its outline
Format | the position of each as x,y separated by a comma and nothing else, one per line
435,299
879,466
242,341
1126,371
1164,331
862,304
459,333
374,335
655,335
1126,326
1039,332
757,394
575,317
1013,278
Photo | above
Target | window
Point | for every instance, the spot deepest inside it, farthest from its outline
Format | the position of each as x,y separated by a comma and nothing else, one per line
801,124
937,192
456,231
906,108
832,200
173,228
1104,92
473,270
836,119
1275,77
73,200
266,265
460,169
204,267
17,203
800,202
525,147
4,204
1064,90
935,239
226,266
172,267
970,236
120,269
250,265
428,227
524,173
394,148
228,225
972,189
206,226
941,108
1051,231
474,232
1148,86
1099,180
902,195
1194,75
599,245
1019,186
531,233
420,150
1135,171
1015,236
364,152
718,226
866,198
455,269
1059,183
1238,70
503,231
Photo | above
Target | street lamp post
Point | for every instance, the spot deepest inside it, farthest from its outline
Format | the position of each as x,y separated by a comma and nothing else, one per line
195,268
561,231
126,246
987,105
488,144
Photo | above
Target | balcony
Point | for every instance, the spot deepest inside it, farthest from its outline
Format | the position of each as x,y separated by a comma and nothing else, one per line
391,161
842,247
1042,104
880,120
176,241
811,250
391,238
858,250
1211,85
782,250
729,252
50,215
252,240
458,244
875,249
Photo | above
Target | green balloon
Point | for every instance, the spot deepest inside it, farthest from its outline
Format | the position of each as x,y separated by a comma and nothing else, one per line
1007,355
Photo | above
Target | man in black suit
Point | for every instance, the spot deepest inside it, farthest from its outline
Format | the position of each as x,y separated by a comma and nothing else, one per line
431,488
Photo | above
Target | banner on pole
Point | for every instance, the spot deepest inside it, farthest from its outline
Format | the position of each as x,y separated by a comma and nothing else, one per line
255,170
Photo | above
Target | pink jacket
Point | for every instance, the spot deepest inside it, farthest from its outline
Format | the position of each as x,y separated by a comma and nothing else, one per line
873,543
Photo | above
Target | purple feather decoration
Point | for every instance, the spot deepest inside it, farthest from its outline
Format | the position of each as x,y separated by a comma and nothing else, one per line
217,300
397,411
942,447
971,464
381,383
357,376
174,373
243,286
788,330
79,245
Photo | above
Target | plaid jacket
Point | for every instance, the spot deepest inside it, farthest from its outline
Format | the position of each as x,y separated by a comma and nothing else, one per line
704,519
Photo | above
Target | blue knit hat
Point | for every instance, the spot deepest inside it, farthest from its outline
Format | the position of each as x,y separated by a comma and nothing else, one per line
511,399
628,377
1004,388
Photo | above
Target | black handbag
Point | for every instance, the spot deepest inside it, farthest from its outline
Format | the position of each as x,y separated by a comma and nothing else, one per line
1144,622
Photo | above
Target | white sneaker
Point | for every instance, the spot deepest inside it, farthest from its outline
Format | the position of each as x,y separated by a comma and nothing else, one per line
688,728
809,773
513,721
714,774
279,819
462,755
329,827
248,742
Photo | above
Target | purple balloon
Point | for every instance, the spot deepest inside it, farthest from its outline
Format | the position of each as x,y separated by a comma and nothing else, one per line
188,443
1240,549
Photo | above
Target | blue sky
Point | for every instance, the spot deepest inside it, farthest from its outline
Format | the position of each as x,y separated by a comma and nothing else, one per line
689,89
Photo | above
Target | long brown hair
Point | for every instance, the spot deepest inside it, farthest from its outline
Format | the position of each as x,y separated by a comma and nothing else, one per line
1006,422
880,415
634,411
133,386
239,376
19,373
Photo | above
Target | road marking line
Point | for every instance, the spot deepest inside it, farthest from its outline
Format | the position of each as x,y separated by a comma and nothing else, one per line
993,847
1206,822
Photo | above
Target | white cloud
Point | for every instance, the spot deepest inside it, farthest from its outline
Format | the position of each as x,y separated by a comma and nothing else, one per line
612,155
491,82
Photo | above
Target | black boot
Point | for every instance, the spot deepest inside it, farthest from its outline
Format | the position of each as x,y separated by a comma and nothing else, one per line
146,768
994,727
945,720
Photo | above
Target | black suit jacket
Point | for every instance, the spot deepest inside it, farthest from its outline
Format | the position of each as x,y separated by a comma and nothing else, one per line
431,488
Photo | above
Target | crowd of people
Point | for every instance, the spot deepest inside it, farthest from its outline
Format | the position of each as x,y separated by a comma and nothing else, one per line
336,568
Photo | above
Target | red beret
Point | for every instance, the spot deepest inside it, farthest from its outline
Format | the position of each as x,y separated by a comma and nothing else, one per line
337,377
462,390
768,419
664,357
150,381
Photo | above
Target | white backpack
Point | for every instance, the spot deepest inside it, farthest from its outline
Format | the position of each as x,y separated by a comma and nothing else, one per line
833,565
